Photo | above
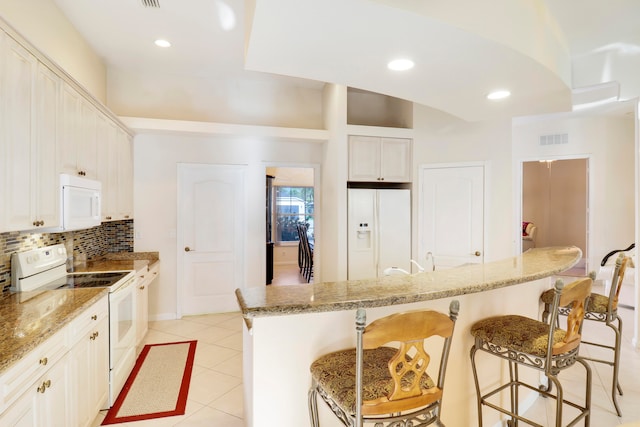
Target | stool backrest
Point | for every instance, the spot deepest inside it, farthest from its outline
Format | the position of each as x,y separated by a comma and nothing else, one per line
411,361
622,262
574,296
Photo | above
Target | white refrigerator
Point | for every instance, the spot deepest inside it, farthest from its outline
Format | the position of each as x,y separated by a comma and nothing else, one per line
379,228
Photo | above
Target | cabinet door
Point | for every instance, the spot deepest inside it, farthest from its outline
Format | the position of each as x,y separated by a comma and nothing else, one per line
80,357
90,359
142,302
100,368
364,158
87,161
108,166
69,130
142,307
21,414
46,180
125,175
52,397
17,96
395,165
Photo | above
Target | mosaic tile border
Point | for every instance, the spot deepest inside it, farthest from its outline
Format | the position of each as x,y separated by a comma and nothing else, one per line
115,236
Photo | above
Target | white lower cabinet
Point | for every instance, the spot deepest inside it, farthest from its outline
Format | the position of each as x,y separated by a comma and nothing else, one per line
46,403
51,397
21,414
145,277
65,380
90,360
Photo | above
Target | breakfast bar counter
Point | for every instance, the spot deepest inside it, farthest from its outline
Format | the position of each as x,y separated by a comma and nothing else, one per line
287,327
391,290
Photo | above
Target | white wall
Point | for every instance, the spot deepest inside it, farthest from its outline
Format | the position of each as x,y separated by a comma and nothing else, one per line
440,138
216,99
609,142
155,197
44,26
331,246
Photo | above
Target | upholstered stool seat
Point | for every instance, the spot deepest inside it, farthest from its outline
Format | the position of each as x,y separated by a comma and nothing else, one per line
517,333
377,383
335,373
523,341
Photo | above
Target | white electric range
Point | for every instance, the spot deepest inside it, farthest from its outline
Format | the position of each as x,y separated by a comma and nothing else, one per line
46,269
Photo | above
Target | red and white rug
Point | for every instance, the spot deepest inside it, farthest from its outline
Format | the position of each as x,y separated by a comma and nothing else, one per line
158,385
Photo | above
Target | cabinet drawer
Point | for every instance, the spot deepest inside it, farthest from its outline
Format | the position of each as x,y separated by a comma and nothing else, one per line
147,275
88,319
153,271
35,364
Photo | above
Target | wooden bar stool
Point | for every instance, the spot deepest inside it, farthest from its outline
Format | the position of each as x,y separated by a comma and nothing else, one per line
603,309
381,384
525,341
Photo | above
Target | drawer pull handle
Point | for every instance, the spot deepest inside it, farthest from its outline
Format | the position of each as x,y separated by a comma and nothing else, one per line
94,335
45,385
94,317
44,361
141,288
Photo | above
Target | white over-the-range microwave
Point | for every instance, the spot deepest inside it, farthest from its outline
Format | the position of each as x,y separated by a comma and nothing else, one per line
80,203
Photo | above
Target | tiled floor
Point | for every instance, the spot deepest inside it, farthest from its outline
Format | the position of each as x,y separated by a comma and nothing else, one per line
215,395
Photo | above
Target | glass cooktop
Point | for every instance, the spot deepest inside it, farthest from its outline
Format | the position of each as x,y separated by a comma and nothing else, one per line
87,280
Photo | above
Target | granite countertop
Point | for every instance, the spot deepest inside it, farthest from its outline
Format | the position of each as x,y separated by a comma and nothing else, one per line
118,261
391,290
30,318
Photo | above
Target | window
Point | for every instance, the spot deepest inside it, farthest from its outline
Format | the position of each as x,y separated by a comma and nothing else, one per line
293,205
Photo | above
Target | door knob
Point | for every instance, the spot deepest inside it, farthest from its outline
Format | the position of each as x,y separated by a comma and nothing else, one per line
187,249
477,253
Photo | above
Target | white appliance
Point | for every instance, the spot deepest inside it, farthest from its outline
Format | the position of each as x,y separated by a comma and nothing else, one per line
379,231
45,269
80,203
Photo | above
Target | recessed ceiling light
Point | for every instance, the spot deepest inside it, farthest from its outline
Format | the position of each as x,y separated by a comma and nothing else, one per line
162,43
499,94
400,64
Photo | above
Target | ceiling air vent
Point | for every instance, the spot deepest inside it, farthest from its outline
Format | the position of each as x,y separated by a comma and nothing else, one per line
150,3
561,138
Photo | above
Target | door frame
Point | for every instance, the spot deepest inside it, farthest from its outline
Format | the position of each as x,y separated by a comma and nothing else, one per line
518,197
317,214
417,225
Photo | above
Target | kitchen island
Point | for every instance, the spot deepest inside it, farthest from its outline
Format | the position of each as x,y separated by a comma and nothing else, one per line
287,327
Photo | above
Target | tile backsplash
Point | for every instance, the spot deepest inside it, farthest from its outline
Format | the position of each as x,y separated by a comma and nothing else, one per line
115,236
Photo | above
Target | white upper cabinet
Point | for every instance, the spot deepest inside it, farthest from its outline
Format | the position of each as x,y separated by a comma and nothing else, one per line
49,126
378,159
78,132
107,166
125,174
47,182
115,171
28,100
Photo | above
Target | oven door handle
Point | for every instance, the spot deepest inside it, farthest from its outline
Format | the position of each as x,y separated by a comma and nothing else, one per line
128,284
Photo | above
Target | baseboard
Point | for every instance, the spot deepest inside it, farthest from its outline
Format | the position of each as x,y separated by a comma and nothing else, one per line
163,316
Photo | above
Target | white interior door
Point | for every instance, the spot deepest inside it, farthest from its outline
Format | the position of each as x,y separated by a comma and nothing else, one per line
211,234
451,218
